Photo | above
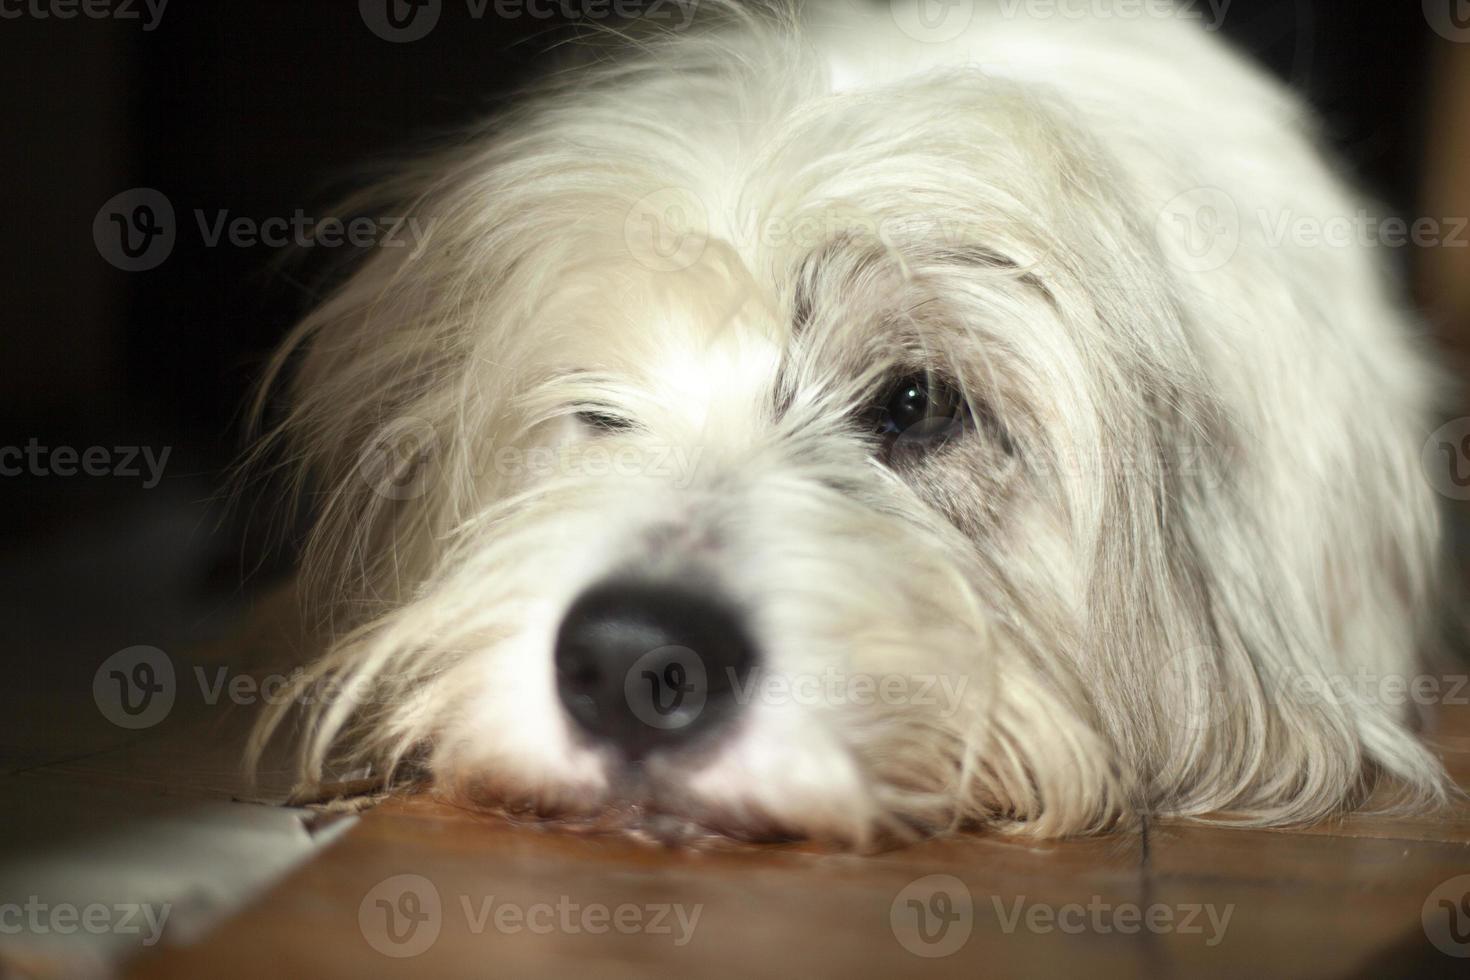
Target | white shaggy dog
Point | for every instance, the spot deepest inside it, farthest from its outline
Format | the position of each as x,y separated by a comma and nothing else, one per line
847,425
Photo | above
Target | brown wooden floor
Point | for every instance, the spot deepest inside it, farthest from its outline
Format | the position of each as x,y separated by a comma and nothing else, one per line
1322,904
1349,899
1360,897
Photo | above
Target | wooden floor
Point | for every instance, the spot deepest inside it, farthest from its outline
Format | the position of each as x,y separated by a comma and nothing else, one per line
416,888
1336,902
471,895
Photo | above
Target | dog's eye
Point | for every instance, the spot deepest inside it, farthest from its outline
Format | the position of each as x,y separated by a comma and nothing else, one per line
603,421
919,412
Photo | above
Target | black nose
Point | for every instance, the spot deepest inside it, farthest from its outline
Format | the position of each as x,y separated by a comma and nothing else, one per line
647,666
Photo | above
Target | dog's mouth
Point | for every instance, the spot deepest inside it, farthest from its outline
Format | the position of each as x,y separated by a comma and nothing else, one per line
648,806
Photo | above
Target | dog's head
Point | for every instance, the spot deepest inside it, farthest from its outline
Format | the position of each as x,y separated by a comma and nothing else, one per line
784,459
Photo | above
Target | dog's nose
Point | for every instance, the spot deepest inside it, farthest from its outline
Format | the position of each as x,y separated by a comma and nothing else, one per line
647,666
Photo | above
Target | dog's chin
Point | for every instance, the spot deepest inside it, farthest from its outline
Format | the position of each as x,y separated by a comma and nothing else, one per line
772,776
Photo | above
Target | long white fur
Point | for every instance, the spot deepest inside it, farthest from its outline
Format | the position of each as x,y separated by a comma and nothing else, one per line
1211,500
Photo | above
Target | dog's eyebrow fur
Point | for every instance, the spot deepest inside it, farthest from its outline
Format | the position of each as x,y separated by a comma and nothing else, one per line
808,271
811,268
980,256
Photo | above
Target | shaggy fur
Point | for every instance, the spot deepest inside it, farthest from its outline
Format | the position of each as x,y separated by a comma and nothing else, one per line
1188,503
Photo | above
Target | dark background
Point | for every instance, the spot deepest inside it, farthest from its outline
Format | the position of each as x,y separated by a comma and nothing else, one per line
263,108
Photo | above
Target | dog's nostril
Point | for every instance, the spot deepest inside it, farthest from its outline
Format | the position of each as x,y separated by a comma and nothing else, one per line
648,665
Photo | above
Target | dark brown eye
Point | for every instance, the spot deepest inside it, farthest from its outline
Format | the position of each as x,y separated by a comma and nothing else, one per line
919,412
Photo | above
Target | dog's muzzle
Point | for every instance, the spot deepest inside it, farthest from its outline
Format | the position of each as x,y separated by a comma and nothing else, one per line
646,667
